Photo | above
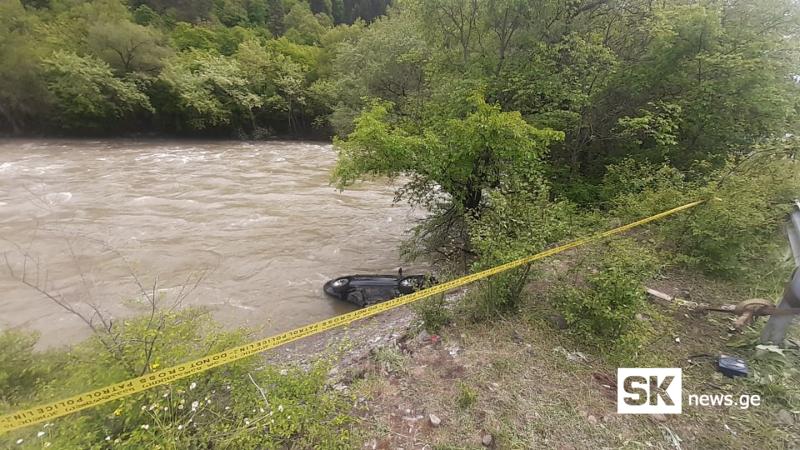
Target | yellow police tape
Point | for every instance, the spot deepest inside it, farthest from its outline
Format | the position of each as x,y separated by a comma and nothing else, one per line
116,391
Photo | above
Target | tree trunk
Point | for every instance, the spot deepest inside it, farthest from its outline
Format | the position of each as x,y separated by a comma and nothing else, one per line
472,202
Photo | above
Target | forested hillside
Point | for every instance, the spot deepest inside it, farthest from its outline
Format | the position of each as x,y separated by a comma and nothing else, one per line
246,68
673,80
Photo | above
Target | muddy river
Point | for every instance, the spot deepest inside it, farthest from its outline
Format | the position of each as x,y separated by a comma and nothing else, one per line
98,222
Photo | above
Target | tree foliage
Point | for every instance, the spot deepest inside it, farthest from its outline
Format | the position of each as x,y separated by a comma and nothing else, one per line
86,92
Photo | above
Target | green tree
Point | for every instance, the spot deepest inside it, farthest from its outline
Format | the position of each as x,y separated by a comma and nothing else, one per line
210,88
386,61
128,47
463,156
302,26
22,91
87,94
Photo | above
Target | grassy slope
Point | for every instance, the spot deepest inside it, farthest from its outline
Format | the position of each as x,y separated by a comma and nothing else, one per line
511,378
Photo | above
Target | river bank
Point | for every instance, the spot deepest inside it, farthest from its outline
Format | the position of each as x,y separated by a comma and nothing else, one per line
521,382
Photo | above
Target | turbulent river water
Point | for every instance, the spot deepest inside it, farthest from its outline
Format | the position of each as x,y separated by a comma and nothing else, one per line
94,222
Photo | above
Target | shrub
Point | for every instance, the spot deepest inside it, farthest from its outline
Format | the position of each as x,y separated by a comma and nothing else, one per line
433,313
242,404
601,306
514,226
21,372
736,231
466,396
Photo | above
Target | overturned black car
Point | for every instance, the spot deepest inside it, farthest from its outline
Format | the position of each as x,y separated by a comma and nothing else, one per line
365,290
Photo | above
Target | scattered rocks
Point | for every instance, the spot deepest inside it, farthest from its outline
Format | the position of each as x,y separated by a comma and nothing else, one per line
577,357
435,420
487,440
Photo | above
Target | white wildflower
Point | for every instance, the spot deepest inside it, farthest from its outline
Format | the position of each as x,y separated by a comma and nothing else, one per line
20,441
145,427
108,438
166,408
227,408
180,427
40,434
166,394
262,410
195,404
180,406
144,407
208,401
280,408
246,421
193,385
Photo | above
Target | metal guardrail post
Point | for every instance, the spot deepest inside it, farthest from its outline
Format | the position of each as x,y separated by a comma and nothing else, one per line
775,330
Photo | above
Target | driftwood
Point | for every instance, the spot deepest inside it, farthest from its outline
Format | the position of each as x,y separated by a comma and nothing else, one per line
746,310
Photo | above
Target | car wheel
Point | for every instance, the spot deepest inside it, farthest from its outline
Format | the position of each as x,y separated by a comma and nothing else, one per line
409,284
340,284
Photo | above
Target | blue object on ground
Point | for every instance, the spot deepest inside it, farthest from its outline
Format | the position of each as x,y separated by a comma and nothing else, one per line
732,366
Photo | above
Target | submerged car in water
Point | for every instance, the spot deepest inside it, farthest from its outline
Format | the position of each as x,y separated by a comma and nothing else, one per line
365,290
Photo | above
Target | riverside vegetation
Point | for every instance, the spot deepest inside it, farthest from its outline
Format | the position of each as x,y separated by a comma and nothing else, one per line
514,123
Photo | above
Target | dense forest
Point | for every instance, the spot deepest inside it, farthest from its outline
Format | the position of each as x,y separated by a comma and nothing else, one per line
248,68
672,79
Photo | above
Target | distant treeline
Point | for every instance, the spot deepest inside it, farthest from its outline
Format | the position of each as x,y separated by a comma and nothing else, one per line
246,68
667,81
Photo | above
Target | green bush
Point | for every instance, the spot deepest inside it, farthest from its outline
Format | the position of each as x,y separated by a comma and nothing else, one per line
511,227
735,232
21,372
433,313
466,396
246,404
601,306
